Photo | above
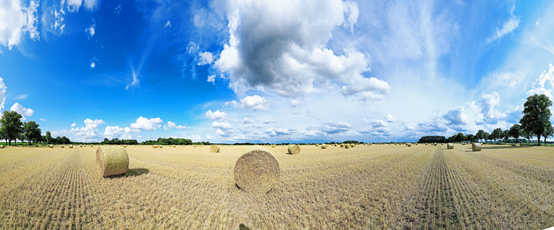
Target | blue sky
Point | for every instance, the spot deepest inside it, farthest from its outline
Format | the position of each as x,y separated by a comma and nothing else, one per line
273,71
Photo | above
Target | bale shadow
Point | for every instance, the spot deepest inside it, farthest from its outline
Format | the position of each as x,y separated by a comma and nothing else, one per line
136,172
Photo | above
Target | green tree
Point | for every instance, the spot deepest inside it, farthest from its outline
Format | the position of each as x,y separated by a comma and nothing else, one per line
536,115
486,136
496,134
31,132
470,137
515,131
548,132
11,125
480,134
506,135
48,137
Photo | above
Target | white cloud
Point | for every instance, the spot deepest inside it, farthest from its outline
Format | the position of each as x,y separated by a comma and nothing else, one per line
74,5
254,102
120,132
221,125
42,119
233,102
2,93
215,115
284,49
92,65
211,78
21,110
147,124
472,105
488,102
90,131
167,24
294,103
247,120
90,30
206,58
390,118
135,81
91,4
16,20
273,132
208,137
456,117
53,19
73,125
335,128
538,21
508,27
93,62
171,125
540,90
547,75
117,9
21,97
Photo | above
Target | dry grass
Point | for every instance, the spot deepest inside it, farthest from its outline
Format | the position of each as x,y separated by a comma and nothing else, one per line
367,187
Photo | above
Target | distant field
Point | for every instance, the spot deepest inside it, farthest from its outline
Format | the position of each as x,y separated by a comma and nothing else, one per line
368,187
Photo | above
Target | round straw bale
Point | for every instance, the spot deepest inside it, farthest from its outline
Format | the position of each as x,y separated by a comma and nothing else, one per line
62,146
409,145
513,144
71,146
323,146
294,149
476,147
51,146
112,160
352,145
214,149
257,170
450,145
1,146
346,146
125,146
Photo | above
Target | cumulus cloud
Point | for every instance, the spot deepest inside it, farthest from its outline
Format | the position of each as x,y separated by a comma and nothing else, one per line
171,125
22,110
284,49
216,115
91,30
378,128
147,124
74,125
294,103
273,132
254,102
120,132
455,116
16,20
167,24
547,75
206,58
53,19
488,102
90,131
221,125
390,118
508,27
20,97
247,120
2,93
540,90
117,9
211,78
335,127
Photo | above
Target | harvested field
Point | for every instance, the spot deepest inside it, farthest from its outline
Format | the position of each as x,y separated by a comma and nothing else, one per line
366,187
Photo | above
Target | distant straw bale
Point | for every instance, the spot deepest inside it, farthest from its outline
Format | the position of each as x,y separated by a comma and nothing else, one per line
450,145
476,147
214,149
294,149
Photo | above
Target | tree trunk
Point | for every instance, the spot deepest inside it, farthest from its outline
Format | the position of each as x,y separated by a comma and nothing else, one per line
544,140
539,138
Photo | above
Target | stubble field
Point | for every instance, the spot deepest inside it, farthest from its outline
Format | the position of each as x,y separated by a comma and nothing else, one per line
366,187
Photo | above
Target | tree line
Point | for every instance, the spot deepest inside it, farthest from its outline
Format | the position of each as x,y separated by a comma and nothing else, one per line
13,129
534,123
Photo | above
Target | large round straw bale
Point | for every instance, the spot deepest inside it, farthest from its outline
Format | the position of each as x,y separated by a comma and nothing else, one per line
352,145
450,145
347,146
113,160
476,147
71,146
1,146
294,149
214,149
409,145
62,146
51,146
257,170
323,146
